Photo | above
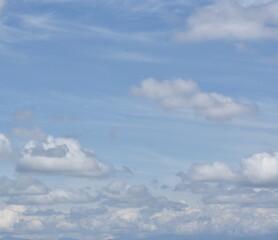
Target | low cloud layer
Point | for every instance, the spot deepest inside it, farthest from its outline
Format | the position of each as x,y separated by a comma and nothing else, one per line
61,156
186,94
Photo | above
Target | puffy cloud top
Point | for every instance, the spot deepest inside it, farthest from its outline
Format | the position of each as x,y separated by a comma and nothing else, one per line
211,173
61,156
261,168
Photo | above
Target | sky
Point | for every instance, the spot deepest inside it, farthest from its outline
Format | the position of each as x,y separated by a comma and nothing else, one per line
138,119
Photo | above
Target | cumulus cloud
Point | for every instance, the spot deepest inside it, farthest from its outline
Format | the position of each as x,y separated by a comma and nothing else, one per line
216,172
10,216
254,183
261,169
233,20
5,147
185,94
61,156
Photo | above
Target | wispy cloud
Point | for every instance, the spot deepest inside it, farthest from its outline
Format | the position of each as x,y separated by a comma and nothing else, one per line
135,56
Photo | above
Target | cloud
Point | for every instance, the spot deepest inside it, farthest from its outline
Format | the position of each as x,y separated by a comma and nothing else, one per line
132,211
138,223
245,196
23,116
55,196
120,194
5,147
61,156
22,185
254,183
230,20
216,172
185,94
261,169
10,216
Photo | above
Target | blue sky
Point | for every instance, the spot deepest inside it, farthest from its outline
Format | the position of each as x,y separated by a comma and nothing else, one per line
147,119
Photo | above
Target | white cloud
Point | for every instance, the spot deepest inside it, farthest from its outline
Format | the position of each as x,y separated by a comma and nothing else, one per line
261,169
185,94
10,216
216,172
5,147
61,156
229,20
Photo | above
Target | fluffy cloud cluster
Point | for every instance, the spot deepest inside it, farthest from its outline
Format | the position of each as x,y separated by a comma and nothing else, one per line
255,183
233,20
61,156
216,172
261,169
185,94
